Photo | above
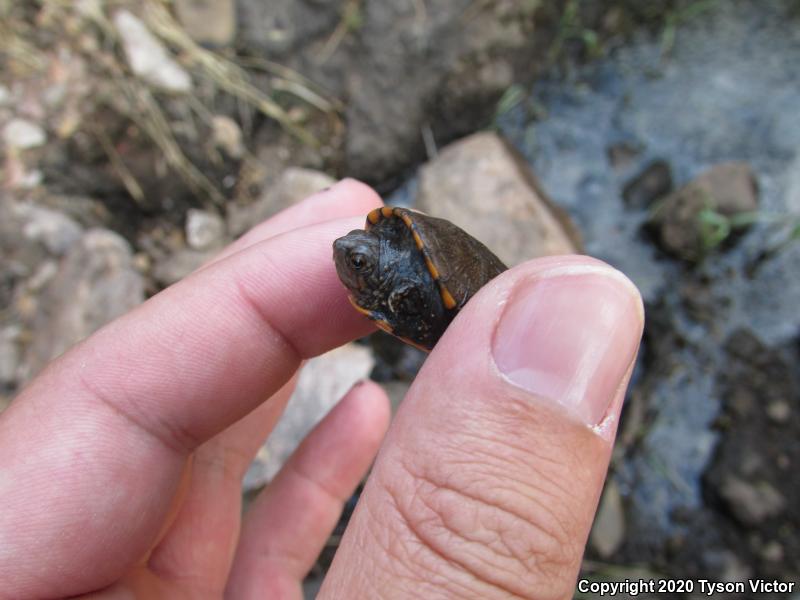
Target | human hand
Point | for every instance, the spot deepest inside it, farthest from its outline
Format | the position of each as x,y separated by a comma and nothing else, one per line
121,464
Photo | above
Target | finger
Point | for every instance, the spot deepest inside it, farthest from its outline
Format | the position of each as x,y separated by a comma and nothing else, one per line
347,198
489,478
288,525
212,507
94,447
198,548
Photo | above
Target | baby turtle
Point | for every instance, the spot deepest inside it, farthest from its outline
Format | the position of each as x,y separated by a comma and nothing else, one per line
412,273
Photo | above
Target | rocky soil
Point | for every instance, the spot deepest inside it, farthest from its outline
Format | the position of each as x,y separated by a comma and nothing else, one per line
674,156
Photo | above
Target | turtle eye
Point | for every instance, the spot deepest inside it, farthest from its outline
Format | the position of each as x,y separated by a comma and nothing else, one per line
358,261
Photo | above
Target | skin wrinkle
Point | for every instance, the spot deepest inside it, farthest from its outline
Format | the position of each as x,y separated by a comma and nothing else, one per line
530,562
228,460
422,546
272,332
493,571
181,450
564,551
456,566
412,557
505,463
387,570
496,471
536,419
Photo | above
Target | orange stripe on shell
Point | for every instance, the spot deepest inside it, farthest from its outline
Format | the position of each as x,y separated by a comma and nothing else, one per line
431,267
415,344
447,298
361,309
383,325
385,212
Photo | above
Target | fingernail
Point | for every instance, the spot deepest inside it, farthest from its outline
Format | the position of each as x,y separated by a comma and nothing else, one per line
569,335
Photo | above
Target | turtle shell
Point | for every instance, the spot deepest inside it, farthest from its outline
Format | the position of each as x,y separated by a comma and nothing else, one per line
458,263
411,273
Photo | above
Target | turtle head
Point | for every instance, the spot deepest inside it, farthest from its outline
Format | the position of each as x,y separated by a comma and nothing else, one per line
356,256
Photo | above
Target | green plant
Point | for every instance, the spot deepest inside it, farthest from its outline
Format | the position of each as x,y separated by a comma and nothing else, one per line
715,227
512,97
571,27
679,16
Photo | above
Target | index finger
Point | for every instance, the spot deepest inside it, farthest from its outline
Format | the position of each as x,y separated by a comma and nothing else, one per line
92,451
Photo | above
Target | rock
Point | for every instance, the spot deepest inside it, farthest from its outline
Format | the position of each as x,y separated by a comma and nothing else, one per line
210,22
772,551
23,134
29,235
293,185
54,230
608,531
95,283
204,230
622,155
227,135
695,219
147,56
455,60
483,186
322,383
180,264
652,183
751,503
779,411
9,356
726,565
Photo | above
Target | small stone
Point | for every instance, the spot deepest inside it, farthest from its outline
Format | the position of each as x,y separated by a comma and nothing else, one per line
322,383
54,230
652,183
483,186
9,355
142,262
227,135
204,230
695,220
95,283
622,155
751,503
23,134
293,185
608,531
779,411
147,56
732,568
180,264
772,551
211,22
44,274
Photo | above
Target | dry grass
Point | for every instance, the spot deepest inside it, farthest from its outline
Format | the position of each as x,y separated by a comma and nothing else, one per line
36,35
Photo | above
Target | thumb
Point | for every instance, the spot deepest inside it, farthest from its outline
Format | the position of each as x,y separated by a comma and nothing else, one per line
489,478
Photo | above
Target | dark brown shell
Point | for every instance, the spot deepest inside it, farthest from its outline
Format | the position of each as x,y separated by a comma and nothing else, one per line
459,263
